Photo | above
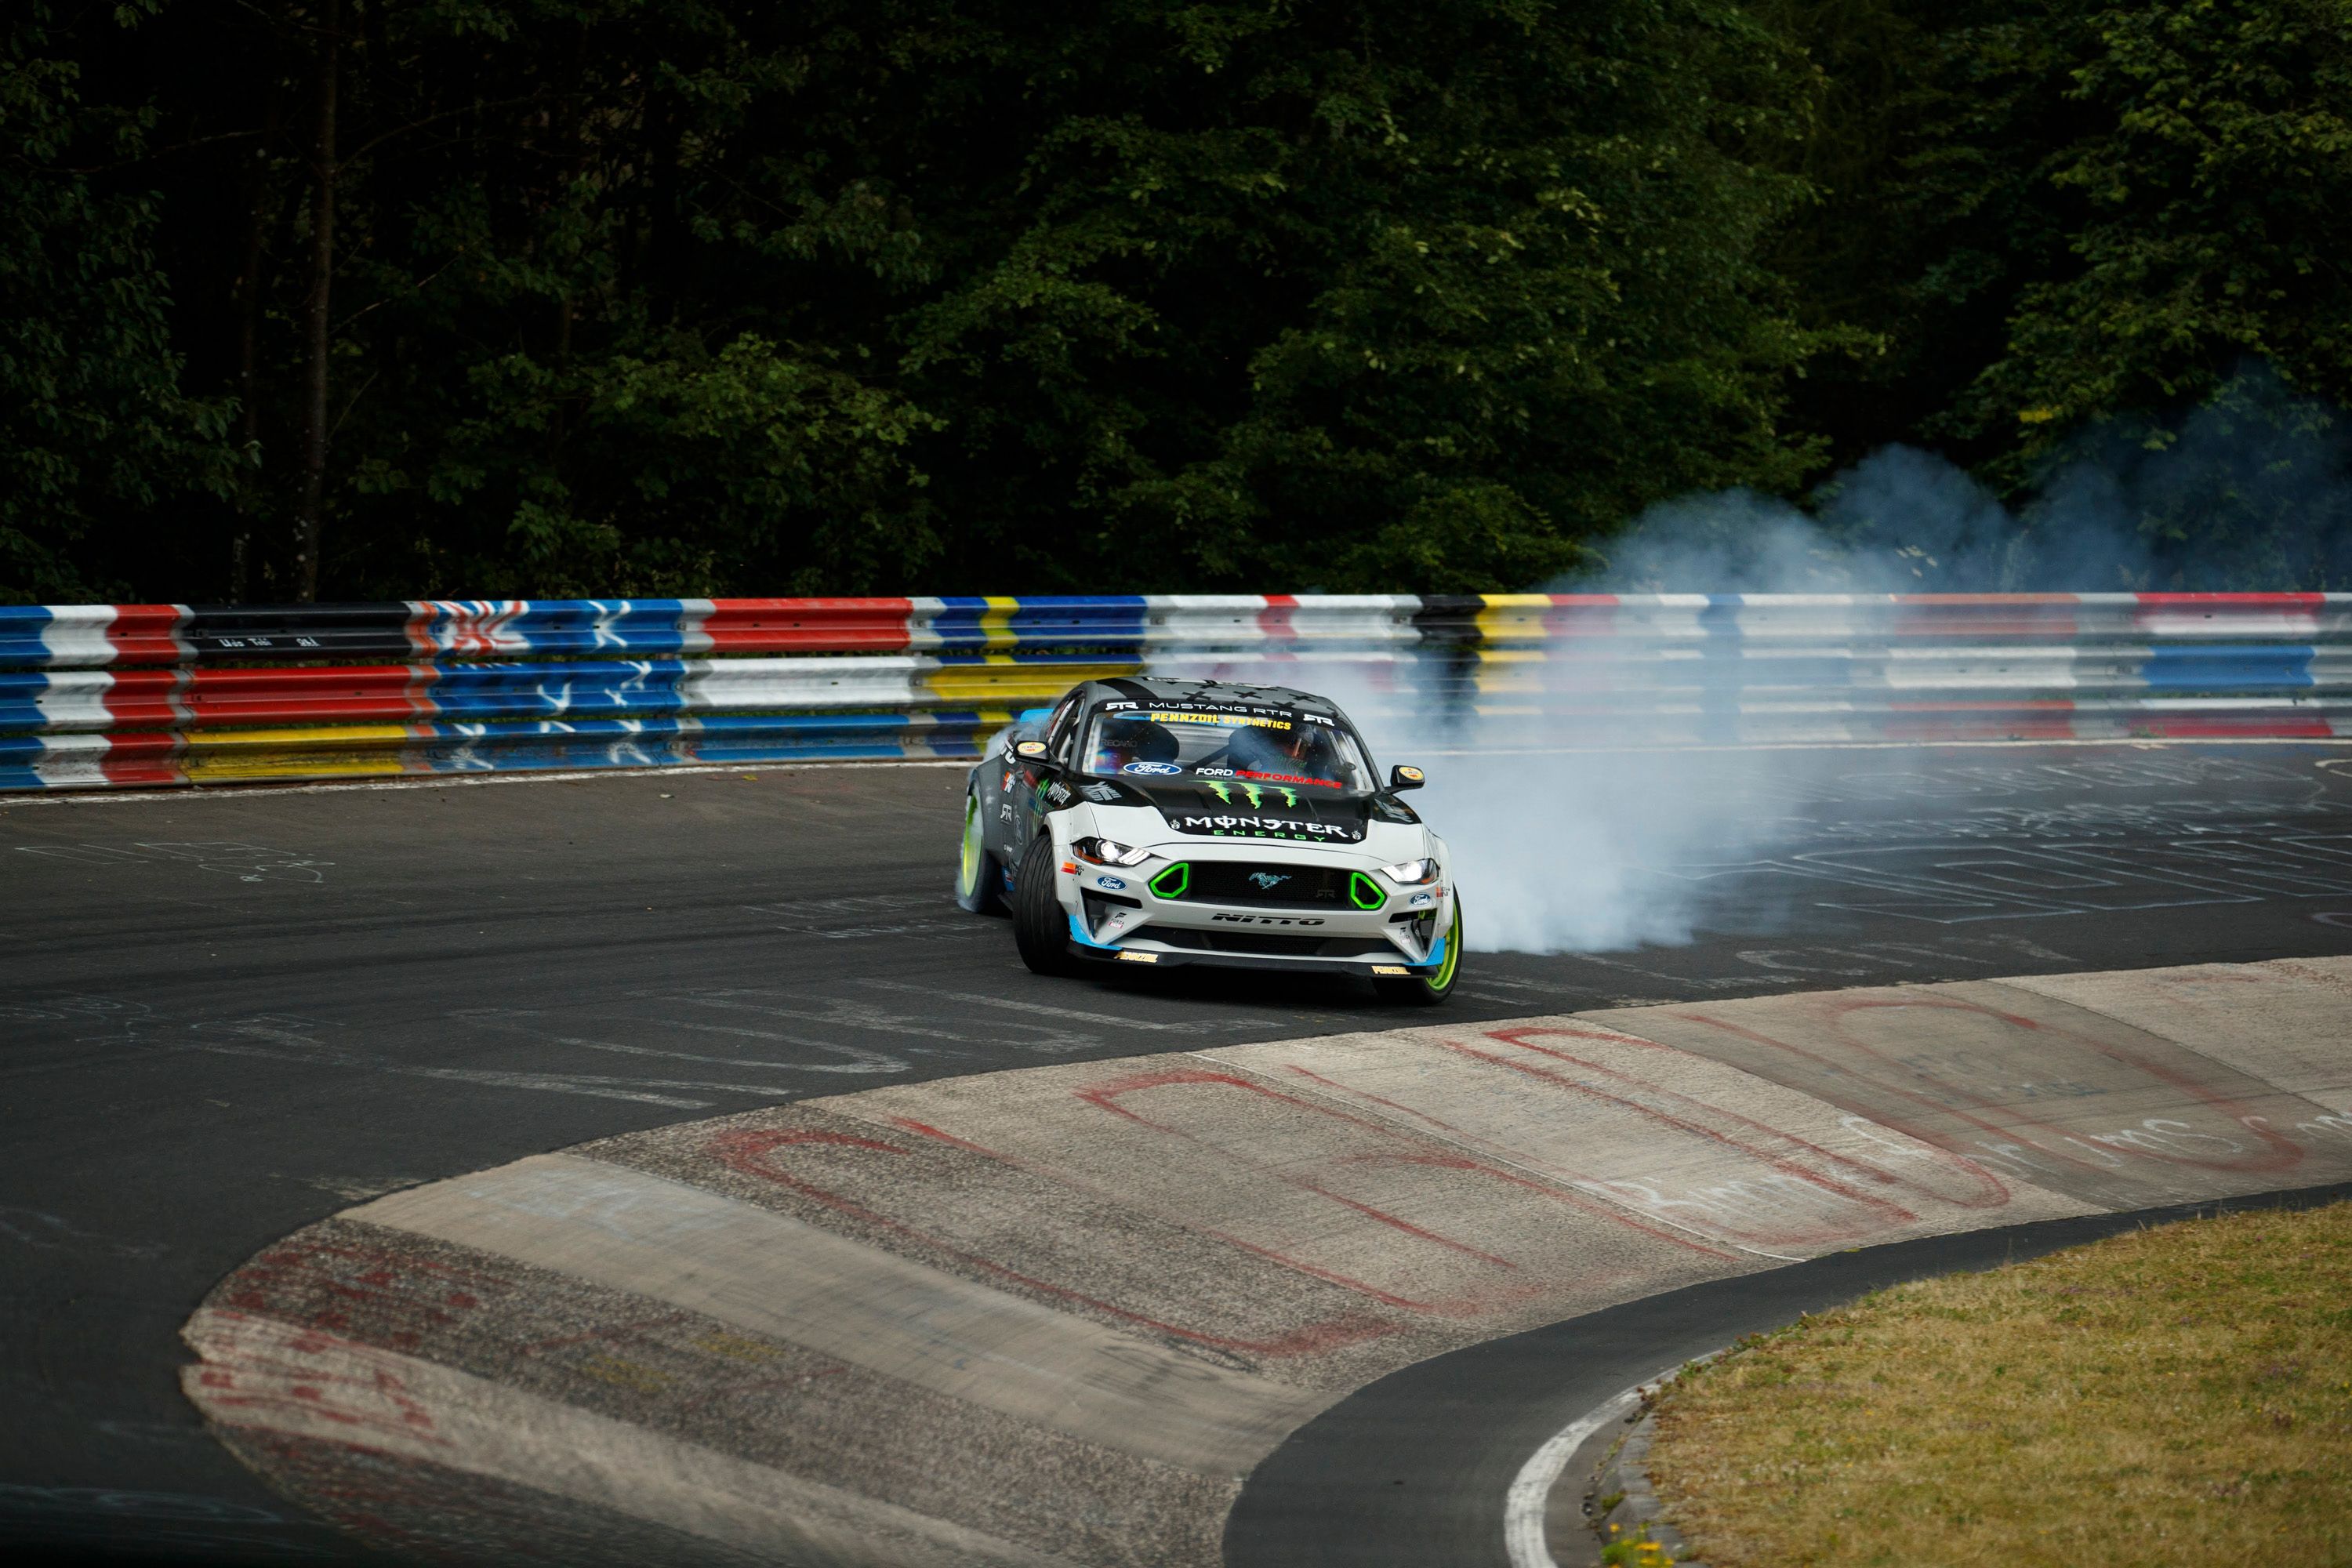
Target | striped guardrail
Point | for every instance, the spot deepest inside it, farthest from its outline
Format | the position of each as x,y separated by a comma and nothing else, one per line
130,695
85,636
105,636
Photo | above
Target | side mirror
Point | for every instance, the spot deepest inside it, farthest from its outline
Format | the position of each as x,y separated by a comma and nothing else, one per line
1030,750
1402,777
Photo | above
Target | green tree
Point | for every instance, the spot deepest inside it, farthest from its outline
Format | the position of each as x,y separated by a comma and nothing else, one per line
95,433
1376,296
2051,215
528,296
2109,277
572,349
2211,190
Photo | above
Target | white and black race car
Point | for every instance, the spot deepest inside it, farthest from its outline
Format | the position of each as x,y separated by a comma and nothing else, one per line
1172,821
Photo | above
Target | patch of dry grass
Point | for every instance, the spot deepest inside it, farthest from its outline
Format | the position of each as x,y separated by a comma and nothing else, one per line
2175,1395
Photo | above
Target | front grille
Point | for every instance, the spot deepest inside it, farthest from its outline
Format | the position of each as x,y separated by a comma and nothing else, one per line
1272,944
1271,884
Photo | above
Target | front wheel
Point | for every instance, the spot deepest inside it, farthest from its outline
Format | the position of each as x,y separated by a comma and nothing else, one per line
1429,990
980,882
1040,928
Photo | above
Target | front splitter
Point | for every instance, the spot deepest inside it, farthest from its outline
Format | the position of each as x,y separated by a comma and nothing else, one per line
1363,968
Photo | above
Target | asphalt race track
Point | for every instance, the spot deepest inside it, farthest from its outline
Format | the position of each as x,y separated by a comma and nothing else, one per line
229,1017
1409,1472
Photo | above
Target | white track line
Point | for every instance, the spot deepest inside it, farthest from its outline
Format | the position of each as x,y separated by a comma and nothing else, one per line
1524,1505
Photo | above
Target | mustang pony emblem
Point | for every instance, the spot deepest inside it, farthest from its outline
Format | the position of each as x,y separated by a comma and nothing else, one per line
1267,879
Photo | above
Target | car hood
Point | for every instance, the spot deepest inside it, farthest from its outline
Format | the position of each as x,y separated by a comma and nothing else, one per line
1213,810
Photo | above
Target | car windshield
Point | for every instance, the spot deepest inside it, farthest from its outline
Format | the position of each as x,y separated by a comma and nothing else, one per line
1253,748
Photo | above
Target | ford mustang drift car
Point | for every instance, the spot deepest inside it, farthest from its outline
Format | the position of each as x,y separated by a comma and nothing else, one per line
1170,822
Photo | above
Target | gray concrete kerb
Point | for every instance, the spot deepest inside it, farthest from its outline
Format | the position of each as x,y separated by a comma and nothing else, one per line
1604,1496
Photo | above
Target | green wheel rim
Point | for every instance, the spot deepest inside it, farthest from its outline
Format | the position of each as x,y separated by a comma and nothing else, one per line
1444,975
968,882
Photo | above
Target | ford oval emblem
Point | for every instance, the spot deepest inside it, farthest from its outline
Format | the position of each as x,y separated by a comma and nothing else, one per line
1157,770
1113,883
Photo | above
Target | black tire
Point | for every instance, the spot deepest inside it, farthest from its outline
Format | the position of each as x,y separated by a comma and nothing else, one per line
1041,929
980,876
1419,991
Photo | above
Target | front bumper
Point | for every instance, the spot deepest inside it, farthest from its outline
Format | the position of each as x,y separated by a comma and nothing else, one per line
1118,915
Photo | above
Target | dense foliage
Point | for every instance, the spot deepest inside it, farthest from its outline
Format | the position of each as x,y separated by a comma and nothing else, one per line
387,298
2100,248
95,433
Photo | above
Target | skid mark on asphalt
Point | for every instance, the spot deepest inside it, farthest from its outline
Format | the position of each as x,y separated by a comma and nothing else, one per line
1998,876
96,1519
297,1040
2023,843
353,1189
1967,781
859,1015
46,1232
860,1061
245,862
1117,1020
924,917
78,1022
1944,952
75,1023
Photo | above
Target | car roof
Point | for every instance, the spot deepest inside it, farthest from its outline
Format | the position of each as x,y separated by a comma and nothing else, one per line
1159,688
